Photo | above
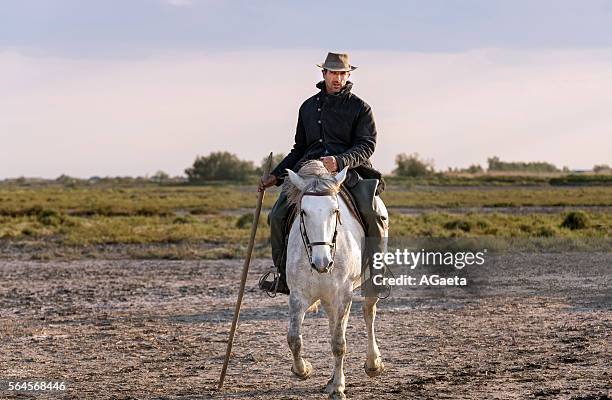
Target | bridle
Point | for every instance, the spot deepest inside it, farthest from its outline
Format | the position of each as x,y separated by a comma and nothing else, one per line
308,245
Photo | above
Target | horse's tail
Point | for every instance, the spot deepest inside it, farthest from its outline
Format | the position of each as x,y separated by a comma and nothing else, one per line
314,307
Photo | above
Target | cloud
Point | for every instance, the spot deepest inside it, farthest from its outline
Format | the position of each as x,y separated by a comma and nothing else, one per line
132,117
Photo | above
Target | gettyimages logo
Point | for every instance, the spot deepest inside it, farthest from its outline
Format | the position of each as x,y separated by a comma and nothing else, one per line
425,260
413,259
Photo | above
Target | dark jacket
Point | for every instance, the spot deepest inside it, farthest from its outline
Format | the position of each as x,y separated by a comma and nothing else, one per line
340,125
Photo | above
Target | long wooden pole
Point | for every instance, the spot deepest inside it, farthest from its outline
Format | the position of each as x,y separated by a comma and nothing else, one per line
245,270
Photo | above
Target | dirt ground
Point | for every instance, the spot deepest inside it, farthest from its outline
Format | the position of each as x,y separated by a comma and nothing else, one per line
527,326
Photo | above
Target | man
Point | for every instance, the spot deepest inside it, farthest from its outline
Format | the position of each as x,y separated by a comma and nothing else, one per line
336,127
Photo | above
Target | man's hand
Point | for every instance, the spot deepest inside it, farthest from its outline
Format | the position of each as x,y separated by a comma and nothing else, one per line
266,183
330,163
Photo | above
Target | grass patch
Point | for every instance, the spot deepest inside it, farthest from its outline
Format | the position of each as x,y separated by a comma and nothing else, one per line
232,230
123,202
214,221
586,179
499,197
444,225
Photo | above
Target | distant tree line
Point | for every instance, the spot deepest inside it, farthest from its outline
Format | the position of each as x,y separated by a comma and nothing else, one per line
602,168
225,166
222,166
495,164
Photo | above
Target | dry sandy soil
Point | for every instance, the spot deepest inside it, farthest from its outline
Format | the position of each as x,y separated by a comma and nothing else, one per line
527,326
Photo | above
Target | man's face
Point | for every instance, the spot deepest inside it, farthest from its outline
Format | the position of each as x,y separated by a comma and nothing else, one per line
335,80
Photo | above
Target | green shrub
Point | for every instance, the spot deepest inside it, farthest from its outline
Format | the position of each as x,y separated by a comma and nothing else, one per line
201,211
494,231
219,166
465,226
50,217
67,180
33,211
412,165
184,219
482,224
575,220
160,177
245,221
546,231
28,232
149,211
473,169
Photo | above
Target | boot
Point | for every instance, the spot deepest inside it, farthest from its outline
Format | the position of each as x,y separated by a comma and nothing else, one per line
375,231
278,284
277,219
369,288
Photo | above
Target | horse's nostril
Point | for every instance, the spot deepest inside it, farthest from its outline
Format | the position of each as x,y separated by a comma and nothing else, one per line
313,265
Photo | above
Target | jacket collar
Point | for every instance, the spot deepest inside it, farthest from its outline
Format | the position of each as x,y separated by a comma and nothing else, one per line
345,90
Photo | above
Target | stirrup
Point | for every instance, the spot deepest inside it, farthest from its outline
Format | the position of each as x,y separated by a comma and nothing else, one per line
387,288
381,291
386,291
275,279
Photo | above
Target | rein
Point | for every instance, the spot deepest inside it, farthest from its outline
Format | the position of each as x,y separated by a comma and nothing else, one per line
308,245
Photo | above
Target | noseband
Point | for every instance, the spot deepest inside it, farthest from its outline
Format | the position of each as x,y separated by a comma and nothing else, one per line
308,245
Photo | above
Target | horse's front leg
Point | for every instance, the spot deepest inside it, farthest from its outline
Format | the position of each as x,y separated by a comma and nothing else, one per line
297,308
373,365
338,319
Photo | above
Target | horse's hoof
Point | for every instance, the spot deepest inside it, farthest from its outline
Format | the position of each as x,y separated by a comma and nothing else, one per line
337,395
307,371
374,372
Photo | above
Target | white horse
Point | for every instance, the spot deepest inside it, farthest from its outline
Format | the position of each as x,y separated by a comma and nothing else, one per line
324,263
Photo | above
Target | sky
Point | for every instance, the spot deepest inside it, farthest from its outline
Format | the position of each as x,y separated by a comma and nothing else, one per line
117,88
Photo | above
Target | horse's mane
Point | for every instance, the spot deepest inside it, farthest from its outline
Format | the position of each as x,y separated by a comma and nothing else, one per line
318,180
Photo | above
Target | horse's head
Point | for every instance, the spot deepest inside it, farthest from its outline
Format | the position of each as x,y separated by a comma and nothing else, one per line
319,216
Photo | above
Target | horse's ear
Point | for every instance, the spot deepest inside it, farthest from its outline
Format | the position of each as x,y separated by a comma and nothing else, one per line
341,176
297,180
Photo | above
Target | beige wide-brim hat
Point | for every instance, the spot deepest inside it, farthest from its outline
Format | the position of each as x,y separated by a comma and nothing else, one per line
337,62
